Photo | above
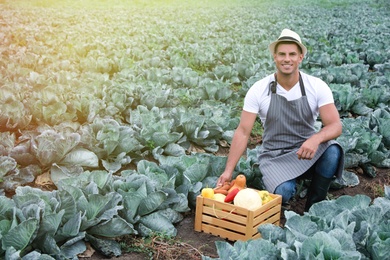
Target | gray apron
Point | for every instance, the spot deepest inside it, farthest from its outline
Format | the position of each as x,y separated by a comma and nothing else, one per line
288,124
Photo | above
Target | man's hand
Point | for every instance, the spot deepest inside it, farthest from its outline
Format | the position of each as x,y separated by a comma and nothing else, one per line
308,149
225,177
332,129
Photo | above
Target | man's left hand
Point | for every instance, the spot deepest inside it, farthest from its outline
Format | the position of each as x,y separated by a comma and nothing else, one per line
307,150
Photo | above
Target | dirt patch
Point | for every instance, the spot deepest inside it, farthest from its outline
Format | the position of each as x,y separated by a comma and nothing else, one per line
190,244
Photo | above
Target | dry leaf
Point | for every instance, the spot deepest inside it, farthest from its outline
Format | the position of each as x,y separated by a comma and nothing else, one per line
88,252
44,180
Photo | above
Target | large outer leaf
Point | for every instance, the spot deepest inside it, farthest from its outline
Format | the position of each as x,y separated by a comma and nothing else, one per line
37,255
301,227
68,204
81,157
6,206
98,204
20,236
100,208
353,202
50,223
158,223
196,172
107,247
226,251
73,248
272,232
131,201
70,228
114,227
175,200
162,139
345,240
157,177
129,140
49,245
151,202
321,245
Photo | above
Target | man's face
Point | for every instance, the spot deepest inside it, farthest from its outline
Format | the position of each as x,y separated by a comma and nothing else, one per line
287,58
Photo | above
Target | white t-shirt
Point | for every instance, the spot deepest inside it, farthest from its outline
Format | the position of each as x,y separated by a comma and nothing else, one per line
258,97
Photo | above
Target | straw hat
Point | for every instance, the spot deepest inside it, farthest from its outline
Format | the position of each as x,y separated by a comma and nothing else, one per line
288,36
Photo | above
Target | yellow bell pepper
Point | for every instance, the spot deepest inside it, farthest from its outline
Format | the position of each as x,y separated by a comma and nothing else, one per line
264,195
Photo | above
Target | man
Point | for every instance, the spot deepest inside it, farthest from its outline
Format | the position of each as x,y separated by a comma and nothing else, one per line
288,104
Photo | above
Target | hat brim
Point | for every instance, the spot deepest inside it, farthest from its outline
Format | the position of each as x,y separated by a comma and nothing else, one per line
273,45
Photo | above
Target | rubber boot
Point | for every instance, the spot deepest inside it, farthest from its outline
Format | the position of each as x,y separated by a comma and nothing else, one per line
318,190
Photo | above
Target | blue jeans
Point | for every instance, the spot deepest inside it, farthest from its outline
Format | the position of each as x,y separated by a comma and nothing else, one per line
325,166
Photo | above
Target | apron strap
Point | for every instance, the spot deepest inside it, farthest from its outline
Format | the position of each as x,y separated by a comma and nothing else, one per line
303,91
273,84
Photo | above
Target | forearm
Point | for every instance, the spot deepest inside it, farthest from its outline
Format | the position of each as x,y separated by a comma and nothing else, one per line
328,132
310,146
332,125
239,144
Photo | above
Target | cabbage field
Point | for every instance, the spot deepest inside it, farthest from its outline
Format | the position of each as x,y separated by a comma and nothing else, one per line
112,114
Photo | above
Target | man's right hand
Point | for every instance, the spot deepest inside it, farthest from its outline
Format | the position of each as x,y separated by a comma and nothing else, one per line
225,177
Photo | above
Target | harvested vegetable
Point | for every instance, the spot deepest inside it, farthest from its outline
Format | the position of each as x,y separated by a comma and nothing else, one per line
239,182
219,191
231,195
207,193
223,189
219,197
264,195
248,198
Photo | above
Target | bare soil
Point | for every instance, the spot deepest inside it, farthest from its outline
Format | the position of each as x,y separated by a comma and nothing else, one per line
190,244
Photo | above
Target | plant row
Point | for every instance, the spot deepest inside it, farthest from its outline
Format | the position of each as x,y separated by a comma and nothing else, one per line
97,207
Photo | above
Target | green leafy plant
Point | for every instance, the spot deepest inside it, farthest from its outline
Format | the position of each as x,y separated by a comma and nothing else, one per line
347,227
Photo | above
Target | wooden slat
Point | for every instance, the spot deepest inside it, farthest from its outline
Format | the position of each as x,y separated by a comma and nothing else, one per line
198,213
224,233
231,215
269,213
226,206
277,200
274,219
239,227
256,236
249,226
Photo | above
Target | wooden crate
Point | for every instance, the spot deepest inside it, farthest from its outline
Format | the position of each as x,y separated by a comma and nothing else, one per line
233,222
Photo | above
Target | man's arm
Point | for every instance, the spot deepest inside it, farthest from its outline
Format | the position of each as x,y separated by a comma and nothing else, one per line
331,129
239,144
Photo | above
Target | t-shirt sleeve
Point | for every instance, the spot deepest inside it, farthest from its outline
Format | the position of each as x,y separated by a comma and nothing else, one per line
324,94
251,101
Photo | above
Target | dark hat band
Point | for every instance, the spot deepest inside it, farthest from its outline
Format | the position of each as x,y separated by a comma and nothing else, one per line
287,38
